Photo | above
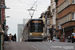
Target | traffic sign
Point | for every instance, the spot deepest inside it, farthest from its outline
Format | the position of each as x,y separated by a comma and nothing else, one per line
59,26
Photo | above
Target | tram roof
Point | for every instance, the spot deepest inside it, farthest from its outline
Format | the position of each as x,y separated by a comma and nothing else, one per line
31,20
35,19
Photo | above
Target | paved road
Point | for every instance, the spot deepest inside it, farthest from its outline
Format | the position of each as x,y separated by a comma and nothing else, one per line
39,46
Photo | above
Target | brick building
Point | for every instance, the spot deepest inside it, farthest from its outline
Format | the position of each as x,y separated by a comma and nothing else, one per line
65,17
53,13
2,22
48,22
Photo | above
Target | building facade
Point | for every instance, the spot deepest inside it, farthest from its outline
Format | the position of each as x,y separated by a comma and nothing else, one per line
65,17
53,13
20,30
2,22
48,22
43,18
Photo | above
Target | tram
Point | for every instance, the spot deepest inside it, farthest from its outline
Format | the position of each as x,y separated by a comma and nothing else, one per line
33,30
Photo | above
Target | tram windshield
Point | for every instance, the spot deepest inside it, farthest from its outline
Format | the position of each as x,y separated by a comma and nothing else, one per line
36,27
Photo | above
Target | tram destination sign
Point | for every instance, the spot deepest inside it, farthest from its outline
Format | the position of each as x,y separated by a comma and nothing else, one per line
36,21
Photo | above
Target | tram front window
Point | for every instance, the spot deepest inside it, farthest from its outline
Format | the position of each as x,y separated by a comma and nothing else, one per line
36,28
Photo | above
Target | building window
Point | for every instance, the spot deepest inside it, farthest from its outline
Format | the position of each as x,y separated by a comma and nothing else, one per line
48,21
64,5
52,10
73,1
69,17
72,15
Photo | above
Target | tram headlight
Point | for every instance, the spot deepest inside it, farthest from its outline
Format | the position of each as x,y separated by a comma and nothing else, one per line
42,34
30,33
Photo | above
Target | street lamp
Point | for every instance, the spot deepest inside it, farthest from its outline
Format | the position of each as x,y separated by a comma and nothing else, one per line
4,7
7,8
7,17
31,12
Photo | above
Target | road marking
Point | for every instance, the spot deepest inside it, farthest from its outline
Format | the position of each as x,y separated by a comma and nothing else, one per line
5,42
35,47
49,49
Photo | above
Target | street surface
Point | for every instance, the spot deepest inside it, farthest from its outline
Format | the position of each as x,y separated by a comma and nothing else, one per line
39,46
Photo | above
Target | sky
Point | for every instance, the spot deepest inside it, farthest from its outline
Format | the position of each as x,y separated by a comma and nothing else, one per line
19,11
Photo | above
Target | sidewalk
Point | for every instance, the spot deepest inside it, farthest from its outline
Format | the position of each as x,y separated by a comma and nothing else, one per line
66,40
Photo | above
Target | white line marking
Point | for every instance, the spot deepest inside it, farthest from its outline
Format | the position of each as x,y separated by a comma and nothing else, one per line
49,49
34,47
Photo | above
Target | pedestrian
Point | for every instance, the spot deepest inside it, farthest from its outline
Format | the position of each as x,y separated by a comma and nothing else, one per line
69,38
